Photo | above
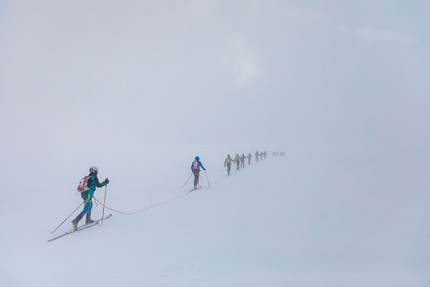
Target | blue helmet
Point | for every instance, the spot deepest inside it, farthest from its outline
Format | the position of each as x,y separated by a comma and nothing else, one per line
197,158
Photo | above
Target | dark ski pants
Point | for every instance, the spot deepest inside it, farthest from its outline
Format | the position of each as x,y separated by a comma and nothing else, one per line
196,177
87,211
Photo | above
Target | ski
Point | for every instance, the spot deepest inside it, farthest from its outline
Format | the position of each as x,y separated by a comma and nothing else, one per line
73,231
81,228
195,189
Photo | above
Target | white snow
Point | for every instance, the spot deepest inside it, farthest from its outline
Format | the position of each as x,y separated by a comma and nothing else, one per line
319,216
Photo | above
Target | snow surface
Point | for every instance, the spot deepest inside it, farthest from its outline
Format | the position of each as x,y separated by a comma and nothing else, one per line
319,216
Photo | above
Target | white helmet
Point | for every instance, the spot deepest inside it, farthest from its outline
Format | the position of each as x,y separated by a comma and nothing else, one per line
94,169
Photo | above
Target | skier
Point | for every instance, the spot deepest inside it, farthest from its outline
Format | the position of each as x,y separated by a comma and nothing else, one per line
237,161
227,163
256,156
195,168
92,183
249,158
242,161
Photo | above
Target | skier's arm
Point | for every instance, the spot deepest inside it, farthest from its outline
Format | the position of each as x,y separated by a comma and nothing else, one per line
98,184
201,165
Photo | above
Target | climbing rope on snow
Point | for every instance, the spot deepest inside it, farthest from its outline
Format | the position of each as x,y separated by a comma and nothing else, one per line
161,203
142,210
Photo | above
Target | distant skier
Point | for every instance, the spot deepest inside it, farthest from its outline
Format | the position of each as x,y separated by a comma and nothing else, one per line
195,168
237,161
242,161
256,156
92,183
249,158
227,163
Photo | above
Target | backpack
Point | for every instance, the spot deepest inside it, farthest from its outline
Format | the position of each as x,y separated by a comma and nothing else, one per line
82,186
195,165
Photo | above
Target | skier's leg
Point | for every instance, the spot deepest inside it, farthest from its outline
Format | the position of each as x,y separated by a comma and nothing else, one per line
196,179
77,219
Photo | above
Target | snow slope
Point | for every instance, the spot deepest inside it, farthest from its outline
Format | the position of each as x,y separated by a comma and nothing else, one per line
319,216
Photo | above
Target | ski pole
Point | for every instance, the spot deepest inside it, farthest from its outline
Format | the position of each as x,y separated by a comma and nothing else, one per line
52,232
201,180
207,179
222,169
104,204
187,180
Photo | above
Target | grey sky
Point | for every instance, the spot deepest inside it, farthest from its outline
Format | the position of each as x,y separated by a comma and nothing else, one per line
212,71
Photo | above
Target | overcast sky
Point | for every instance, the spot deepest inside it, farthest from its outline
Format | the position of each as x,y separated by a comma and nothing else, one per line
82,74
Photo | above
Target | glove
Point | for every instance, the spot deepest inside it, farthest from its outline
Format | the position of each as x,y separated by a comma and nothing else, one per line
107,180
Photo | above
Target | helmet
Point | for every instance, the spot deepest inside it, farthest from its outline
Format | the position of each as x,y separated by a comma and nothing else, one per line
197,158
94,169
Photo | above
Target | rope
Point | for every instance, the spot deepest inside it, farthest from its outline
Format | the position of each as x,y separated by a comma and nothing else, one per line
145,209
213,183
158,204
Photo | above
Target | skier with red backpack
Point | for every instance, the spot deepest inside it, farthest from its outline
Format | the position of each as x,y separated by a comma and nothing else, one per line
89,185
195,168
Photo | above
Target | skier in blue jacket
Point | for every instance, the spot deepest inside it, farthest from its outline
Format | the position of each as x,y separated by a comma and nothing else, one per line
92,183
195,168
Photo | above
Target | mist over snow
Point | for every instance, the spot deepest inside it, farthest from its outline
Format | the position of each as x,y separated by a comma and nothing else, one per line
309,218
139,88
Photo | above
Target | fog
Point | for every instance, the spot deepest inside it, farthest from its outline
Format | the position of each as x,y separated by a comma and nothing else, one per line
81,73
119,84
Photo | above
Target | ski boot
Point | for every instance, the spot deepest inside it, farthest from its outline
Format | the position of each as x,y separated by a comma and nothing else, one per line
74,225
88,219
76,220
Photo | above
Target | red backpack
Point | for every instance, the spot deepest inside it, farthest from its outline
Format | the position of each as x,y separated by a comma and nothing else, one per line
82,186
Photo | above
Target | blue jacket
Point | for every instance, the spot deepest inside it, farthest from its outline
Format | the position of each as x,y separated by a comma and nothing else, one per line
92,183
196,165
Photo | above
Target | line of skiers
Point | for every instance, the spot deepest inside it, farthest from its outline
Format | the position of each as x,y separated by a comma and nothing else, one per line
93,182
239,161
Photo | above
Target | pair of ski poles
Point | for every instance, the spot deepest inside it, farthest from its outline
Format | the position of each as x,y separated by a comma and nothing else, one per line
103,212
